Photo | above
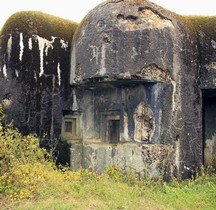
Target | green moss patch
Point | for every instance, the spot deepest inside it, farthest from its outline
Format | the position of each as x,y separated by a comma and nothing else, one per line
42,24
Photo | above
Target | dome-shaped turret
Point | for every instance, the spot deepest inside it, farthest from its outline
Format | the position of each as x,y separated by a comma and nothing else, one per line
124,40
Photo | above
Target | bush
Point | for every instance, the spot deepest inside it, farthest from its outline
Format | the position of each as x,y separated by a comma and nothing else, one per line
16,149
21,160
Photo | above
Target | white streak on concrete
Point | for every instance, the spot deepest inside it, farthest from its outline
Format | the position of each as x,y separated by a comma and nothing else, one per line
94,53
4,71
44,46
134,53
21,46
17,73
173,95
59,74
75,104
64,45
73,65
9,47
48,44
30,43
35,76
103,60
177,154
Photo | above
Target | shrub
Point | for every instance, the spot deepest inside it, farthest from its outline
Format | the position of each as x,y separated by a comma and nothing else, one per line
16,149
21,159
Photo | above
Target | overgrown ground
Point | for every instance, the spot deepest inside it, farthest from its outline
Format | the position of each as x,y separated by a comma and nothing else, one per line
84,190
29,181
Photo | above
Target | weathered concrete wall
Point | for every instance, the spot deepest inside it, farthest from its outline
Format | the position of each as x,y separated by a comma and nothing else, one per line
144,160
120,42
202,32
142,145
141,108
34,72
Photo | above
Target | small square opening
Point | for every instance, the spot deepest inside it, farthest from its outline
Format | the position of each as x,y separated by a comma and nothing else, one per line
114,131
68,126
110,126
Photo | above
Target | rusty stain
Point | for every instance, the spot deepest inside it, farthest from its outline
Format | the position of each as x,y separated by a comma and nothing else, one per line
154,73
145,18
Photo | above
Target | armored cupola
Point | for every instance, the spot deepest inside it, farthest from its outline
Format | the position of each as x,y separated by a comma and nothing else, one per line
124,40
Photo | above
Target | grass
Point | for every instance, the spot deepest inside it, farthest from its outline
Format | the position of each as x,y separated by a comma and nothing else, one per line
105,191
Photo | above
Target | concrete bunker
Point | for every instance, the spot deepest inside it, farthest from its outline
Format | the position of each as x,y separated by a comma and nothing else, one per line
141,104
139,91
124,94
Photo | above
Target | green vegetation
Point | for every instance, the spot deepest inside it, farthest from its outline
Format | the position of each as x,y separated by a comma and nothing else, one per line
203,26
42,24
30,180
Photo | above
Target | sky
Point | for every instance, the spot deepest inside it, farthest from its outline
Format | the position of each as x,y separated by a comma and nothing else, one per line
77,10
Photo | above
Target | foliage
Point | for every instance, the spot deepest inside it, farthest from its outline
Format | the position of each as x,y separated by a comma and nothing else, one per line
16,149
27,170
20,157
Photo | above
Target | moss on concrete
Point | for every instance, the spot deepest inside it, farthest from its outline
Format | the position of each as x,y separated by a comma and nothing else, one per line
206,24
196,24
34,22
